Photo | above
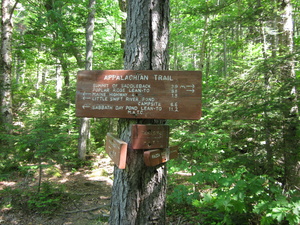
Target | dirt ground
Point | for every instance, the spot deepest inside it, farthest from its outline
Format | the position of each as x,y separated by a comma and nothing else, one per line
90,203
88,194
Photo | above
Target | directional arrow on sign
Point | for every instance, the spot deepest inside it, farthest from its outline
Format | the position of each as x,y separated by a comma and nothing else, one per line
191,90
86,96
86,106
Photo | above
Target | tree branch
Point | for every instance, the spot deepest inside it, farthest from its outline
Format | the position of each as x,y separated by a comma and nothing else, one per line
13,9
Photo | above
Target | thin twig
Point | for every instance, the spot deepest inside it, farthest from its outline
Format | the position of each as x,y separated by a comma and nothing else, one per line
86,210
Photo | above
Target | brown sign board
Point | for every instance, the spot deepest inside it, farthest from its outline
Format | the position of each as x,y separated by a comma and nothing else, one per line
152,157
117,150
139,94
149,136
157,156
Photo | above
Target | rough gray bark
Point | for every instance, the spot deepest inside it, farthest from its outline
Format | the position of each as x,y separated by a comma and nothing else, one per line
6,64
139,192
84,130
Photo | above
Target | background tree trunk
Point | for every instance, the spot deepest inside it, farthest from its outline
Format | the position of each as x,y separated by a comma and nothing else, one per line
139,192
122,6
6,64
84,130
289,108
59,79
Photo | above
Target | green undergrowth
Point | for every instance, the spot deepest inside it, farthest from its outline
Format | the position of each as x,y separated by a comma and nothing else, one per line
48,200
218,197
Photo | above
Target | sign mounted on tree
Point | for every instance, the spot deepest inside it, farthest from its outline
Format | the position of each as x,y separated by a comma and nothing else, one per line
117,150
139,94
149,136
153,157
157,156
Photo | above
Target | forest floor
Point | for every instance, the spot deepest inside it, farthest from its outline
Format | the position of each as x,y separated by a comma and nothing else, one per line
86,199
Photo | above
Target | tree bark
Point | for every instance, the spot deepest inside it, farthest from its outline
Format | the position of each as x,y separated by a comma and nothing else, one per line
288,101
139,192
84,130
6,65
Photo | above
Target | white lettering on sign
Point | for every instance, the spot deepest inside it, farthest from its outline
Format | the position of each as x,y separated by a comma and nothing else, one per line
102,107
119,90
103,99
151,108
127,77
113,145
135,112
163,77
117,94
139,90
131,99
154,156
97,94
153,133
112,154
99,87
143,103
131,108
173,107
119,107
136,86
149,103
115,99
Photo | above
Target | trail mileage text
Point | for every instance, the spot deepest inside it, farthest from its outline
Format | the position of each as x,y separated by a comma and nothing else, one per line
138,94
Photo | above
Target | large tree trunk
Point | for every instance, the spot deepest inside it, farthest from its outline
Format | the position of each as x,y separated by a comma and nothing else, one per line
84,130
288,99
6,64
139,192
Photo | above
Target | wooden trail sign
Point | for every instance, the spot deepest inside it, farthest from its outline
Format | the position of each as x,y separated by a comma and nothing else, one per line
117,150
149,136
152,157
157,156
145,94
